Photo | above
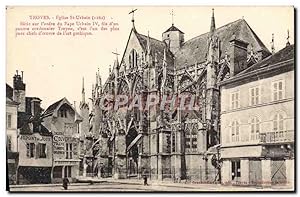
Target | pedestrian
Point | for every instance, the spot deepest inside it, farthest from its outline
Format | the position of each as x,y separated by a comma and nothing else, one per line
145,177
65,183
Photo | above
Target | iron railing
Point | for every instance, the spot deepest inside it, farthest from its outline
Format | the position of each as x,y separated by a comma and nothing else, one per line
277,137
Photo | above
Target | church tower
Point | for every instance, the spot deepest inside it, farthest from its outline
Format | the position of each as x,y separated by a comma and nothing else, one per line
173,38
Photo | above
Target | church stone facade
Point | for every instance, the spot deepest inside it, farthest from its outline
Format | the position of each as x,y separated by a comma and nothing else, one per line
169,143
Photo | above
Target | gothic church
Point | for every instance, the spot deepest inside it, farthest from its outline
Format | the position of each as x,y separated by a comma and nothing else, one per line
165,144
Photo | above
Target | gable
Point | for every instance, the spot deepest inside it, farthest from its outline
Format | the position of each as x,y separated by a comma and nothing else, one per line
54,109
133,43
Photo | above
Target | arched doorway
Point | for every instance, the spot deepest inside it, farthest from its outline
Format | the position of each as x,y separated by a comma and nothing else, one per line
132,153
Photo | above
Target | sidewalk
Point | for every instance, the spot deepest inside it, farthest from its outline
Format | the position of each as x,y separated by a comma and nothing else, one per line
199,186
54,184
156,184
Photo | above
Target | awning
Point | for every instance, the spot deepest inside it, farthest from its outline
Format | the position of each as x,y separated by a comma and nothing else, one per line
213,150
136,139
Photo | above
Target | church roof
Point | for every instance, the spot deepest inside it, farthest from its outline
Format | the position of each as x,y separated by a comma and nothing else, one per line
173,28
194,50
157,47
52,109
283,55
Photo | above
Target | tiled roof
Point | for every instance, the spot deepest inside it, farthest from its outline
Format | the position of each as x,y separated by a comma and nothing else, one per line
23,118
173,28
284,54
37,127
194,50
9,91
158,47
52,107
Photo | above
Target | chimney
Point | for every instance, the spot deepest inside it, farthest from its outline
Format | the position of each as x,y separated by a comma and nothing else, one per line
238,55
35,106
19,91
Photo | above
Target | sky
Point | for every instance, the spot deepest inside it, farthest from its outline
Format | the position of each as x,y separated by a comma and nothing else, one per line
54,66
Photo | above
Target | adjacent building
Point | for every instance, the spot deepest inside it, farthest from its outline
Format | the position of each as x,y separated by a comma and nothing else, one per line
257,122
11,135
62,120
27,138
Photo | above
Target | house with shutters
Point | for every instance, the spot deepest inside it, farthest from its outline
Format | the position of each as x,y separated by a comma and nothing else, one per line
257,122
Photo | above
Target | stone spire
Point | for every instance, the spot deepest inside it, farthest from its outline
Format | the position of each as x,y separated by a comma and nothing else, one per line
272,44
93,92
213,40
96,79
116,63
83,91
164,71
148,44
148,56
165,58
287,39
213,23
100,80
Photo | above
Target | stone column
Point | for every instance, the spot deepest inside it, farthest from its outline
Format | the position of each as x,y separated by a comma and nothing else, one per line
159,167
245,178
84,167
76,169
120,157
226,172
159,163
99,172
290,172
266,172
63,171
52,168
177,165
